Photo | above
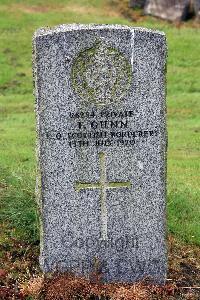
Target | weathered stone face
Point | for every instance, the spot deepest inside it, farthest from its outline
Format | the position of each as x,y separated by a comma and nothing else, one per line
100,105
172,10
101,74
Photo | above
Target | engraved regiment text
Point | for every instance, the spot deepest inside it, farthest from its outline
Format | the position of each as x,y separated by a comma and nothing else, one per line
102,128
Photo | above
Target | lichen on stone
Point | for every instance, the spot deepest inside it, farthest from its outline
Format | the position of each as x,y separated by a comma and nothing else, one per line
101,74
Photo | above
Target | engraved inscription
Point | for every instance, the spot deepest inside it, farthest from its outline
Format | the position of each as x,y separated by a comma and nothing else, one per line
101,75
103,127
103,185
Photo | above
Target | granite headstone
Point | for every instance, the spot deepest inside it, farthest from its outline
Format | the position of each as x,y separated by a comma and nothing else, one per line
172,10
100,106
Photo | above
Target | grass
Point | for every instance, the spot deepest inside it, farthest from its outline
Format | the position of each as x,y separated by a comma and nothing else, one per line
18,21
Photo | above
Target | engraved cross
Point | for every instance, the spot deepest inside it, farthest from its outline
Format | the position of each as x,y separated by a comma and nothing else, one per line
103,185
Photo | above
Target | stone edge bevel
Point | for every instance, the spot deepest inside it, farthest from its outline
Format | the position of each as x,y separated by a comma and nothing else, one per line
72,27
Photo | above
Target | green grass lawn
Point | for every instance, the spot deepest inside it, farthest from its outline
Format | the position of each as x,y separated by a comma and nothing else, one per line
18,21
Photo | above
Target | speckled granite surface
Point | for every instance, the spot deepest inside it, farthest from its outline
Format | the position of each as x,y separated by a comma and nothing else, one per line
100,106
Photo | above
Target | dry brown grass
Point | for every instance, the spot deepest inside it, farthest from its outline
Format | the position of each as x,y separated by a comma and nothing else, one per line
78,9
69,287
20,277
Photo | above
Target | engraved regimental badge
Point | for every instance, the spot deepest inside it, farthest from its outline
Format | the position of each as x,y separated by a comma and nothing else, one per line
101,74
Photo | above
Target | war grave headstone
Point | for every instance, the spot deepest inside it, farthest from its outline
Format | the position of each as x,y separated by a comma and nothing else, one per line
100,106
172,10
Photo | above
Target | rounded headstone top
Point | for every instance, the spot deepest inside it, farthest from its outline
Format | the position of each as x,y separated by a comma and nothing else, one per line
71,27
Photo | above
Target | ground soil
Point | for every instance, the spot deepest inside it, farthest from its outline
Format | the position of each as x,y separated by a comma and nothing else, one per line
21,277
